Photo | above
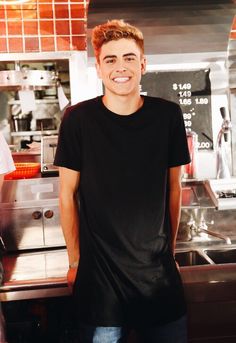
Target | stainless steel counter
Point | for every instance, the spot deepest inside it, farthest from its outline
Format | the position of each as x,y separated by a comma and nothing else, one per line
42,274
38,274
36,261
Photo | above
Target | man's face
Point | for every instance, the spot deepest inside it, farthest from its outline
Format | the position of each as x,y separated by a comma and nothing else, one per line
120,66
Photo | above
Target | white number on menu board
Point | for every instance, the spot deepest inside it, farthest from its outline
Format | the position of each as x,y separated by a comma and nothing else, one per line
181,86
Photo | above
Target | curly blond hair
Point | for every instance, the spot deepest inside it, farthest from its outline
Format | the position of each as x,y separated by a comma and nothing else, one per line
114,30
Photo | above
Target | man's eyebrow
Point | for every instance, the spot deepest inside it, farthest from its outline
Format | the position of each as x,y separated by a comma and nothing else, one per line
130,54
109,56
114,56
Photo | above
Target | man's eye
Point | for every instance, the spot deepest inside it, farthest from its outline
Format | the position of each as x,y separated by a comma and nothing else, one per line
110,61
130,59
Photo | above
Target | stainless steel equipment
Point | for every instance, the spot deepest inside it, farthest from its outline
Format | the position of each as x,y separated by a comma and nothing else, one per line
223,193
30,215
48,150
27,79
223,148
232,88
35,263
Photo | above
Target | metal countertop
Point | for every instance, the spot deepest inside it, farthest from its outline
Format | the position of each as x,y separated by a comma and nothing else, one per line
42,274
35,274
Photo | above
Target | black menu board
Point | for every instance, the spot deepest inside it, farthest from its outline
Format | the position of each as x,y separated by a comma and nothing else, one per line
191,89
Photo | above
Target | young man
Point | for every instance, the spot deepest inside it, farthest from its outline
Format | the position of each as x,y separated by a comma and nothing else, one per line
120,158
6,166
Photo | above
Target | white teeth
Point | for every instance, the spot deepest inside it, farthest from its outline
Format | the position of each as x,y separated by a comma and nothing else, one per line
121,79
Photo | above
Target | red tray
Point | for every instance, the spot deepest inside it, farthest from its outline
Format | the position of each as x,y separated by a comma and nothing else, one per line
24,170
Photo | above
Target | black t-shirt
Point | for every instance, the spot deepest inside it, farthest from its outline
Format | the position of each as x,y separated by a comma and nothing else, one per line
127,274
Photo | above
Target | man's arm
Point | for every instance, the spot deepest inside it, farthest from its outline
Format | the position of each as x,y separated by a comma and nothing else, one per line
1,181
69,183
175,197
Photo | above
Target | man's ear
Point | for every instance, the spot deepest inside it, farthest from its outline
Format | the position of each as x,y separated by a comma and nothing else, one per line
143,65
97,65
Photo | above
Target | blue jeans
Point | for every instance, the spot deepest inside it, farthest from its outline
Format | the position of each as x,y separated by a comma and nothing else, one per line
174,332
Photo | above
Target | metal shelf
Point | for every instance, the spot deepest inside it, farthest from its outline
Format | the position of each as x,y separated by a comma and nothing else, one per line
38,101
34,133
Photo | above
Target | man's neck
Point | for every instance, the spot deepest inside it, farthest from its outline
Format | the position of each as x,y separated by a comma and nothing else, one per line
122,105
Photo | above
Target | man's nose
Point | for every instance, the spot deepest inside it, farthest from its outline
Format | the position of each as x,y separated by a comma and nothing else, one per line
120,66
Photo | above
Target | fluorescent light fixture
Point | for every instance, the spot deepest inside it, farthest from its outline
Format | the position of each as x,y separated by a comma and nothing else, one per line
12,2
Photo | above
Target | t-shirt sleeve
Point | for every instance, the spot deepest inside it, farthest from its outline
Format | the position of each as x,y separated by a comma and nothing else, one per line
6,161
178,146
68,152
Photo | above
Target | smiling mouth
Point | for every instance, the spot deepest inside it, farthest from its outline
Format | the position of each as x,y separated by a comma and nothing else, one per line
121,79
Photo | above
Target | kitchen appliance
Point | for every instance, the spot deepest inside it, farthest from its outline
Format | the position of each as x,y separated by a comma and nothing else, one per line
223,148
223,193
48,150
45,124
35,262
21,122
27,79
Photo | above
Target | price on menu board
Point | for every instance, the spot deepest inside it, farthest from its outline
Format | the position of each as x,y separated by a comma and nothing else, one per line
191,89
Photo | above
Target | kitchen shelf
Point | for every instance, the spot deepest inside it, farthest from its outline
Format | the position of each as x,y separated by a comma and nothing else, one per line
38,101
34,133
